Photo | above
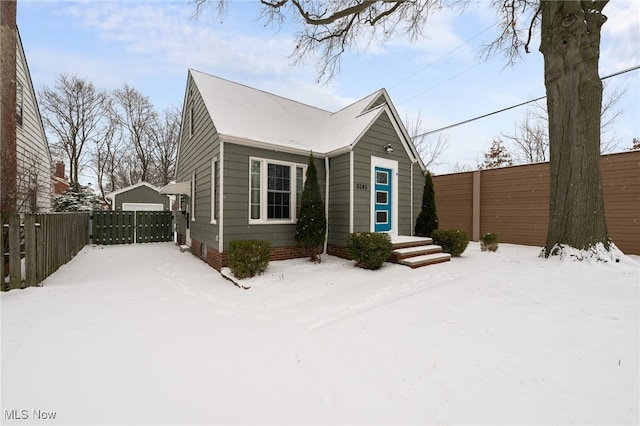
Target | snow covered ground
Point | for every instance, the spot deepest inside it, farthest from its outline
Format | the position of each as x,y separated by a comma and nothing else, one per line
145,334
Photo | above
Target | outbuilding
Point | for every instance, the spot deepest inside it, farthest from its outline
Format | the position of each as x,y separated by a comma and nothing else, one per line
141,196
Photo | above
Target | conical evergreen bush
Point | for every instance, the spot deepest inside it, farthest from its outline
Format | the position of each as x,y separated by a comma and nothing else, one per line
312,223
427,221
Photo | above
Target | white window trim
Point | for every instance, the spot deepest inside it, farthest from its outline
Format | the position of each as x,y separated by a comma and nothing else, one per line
264,162
214,160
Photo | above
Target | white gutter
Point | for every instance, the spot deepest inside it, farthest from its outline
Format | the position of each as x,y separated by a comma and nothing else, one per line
351,160
412,194
221,202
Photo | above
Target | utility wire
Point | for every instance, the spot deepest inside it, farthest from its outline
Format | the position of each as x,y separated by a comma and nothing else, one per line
442,57
511,107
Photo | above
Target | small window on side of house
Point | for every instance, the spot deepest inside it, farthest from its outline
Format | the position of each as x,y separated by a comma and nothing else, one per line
191,120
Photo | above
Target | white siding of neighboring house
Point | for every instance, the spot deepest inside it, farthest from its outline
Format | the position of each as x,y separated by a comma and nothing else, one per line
34,158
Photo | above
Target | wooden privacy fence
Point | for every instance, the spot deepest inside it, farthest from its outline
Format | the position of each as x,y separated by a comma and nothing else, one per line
36,245
513,202
127,227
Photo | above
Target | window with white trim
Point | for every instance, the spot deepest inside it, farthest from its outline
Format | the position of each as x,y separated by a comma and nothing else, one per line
275,189
191,119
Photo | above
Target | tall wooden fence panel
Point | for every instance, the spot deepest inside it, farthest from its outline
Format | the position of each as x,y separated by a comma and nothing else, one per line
127,227
36,245
513,202
454,201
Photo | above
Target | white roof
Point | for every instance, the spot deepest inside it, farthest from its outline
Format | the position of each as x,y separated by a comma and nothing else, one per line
243,113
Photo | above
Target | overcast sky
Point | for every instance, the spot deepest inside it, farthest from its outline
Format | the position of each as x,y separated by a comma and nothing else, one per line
151,45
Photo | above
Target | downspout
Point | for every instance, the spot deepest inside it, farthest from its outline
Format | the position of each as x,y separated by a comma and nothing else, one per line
412,229
326,201
351,160
221,202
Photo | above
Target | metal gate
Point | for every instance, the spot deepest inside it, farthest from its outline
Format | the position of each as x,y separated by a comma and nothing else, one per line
128,227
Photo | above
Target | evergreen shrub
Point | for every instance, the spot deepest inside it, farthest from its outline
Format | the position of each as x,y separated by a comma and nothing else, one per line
369,249
312,223
489,242
452,241
248,258
427,220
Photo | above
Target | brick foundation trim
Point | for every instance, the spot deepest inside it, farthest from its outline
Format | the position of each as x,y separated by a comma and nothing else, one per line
218,260
339,251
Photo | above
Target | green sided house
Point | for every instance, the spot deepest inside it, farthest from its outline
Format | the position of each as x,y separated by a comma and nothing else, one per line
242,162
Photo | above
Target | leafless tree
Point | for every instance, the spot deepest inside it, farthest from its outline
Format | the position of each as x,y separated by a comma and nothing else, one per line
72,111
430,150
137,116
32,183
635,144
165,140
531,141
107,153
459,168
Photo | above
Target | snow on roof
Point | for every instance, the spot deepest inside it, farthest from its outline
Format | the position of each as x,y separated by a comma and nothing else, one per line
246,113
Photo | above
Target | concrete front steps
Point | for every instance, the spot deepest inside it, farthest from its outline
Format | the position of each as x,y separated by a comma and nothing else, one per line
415,252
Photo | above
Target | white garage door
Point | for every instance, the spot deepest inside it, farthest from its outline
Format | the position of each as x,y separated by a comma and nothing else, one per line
142,206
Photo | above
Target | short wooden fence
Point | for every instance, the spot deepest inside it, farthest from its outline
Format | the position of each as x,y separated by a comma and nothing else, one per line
127,227
35,245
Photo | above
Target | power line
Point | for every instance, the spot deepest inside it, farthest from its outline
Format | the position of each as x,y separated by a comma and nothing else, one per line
442,57
511,107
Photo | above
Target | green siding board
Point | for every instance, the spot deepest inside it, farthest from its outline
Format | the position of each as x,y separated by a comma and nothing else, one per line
339,199
195,154
236,195
372,142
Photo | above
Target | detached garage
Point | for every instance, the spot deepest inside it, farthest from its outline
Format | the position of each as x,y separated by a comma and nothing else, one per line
138,197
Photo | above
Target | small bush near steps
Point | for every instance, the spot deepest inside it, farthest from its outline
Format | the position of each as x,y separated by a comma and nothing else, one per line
369,249
454,242
489,242
248,258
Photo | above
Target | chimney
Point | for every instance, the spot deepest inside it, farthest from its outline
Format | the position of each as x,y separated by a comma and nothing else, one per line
8,46
59,170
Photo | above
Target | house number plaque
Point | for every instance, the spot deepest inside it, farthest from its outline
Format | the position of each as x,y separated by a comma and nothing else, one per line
362,186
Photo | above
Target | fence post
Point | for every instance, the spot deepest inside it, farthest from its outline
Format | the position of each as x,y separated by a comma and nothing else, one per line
30,249
475,230
15,270
2,248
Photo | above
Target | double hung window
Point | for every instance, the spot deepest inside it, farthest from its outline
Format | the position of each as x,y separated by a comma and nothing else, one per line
275,190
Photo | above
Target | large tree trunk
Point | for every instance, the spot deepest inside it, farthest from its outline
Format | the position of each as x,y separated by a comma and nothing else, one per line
571,48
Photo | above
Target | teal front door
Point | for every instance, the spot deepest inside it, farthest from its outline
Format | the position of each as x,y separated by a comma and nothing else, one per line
382,210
